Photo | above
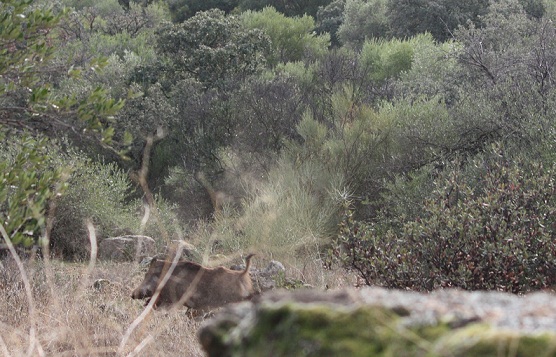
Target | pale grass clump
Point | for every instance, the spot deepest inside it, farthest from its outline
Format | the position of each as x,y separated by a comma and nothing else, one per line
289,217
74,318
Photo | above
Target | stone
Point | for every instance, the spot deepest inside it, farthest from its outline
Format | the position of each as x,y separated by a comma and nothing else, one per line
126,248
375,321
269,278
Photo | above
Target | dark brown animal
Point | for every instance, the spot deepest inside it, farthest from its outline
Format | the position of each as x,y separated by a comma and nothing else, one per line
195,286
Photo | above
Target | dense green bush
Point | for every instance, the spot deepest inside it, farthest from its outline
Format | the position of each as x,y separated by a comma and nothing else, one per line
212,48
291,38
96,192
27,186
489,224
363,20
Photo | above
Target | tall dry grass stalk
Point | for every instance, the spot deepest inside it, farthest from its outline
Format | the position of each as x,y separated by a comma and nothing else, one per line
290,217
85,316
54,308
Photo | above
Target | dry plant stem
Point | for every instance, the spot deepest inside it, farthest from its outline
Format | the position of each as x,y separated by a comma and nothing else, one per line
4,347
140,346
145,218
94,249
151,303
46,242
33,341
141,178
144,171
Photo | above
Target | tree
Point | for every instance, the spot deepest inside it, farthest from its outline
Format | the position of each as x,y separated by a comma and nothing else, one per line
363,20
286,7
27,186
508,63
292,38
329,19
182,10
213,48
439,17
27,106
442,17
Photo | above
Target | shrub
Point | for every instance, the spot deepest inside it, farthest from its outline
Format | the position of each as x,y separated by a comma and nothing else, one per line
492,230
96,191
26,185
163,224
292,38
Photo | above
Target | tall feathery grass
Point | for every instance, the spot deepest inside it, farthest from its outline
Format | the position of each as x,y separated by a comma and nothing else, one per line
52,308
290,217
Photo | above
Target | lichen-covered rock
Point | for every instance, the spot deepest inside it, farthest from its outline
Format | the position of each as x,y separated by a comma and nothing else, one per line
126,248
270,277
381,322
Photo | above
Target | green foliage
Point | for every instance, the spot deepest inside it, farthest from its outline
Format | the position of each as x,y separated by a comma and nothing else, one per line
329,19
292,38
212,48
24,42
182,10
268,110
27,97
387,59
410,17
289,216
101,7
27,185
97,192
423,130
434,71
504,77
353,145
488,224
89,33
164,224
363,20
288,8
135,20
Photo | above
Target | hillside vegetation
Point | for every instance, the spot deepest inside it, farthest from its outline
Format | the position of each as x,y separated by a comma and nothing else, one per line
406,144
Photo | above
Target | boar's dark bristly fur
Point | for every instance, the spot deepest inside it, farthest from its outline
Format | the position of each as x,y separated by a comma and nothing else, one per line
195,286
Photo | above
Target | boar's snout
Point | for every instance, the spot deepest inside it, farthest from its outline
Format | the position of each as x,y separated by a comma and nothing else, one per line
141,293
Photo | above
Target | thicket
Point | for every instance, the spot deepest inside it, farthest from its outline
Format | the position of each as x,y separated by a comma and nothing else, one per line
264,130
487,224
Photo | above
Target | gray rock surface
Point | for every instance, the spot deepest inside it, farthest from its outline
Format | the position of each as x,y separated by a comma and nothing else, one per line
380,322
126,248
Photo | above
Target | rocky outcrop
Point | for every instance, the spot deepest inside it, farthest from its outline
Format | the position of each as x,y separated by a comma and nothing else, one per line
126,248
381,322
270,278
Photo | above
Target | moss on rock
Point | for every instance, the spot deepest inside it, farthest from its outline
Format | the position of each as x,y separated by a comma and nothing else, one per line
294,328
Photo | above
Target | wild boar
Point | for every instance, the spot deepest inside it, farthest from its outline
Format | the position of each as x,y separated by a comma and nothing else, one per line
195,286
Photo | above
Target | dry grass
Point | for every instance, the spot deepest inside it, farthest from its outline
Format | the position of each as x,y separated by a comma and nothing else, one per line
73,318
52,308
76,317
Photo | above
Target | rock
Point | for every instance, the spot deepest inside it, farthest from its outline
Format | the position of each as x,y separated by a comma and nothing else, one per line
381,322
99,284
269,278
126,248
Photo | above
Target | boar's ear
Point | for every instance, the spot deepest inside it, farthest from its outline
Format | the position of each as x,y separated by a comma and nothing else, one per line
153,261
148,261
